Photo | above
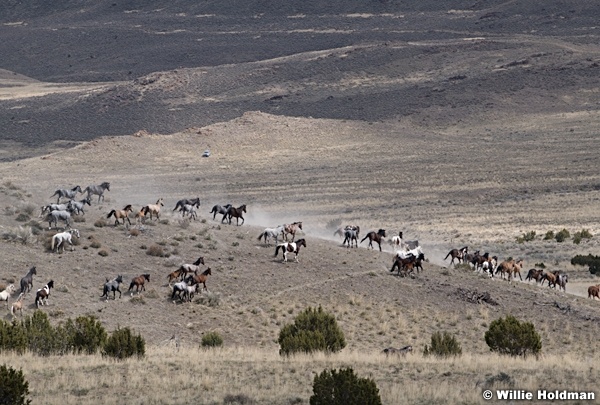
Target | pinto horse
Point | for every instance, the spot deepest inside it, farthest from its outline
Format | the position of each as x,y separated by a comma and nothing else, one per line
121,214
27,280
43,293
374,236
153,208
199,278
290,247
184,269
237,213
138,282
291,229
70,194
458,254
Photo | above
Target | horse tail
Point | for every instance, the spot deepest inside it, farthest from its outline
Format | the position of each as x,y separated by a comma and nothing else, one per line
447,255
52,243
111,213
277,250
363,239
261,235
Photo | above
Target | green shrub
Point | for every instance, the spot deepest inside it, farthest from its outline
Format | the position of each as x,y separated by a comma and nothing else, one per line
549,235
87,335
562,235
13,337
123,344
509,336
42,338
212,339
526,237
312,330
540,265
14,389
443,345
344,388
579,236
593,262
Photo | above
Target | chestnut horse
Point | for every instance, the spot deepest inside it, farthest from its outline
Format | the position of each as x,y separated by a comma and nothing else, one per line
374,236
121,214
138,282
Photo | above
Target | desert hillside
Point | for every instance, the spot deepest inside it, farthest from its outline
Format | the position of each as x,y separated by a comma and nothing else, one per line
457,123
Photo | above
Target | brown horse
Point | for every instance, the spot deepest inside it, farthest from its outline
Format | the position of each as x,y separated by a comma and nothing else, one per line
458,254
535,274
121,214
138,282
175,275
237,213
552,278
153,208
403,265
291,229
184,269
374,236
594,291
199,278
510,267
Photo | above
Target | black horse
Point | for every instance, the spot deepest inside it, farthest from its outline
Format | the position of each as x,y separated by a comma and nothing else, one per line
27,281
374,236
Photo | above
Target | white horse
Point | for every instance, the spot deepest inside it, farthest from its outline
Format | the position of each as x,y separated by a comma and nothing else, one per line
187,290
60,238
189,209
5,295
269,233
403,254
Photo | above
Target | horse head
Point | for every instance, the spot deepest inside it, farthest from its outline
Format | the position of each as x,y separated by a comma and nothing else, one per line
381,232
146,276
119,279
105,185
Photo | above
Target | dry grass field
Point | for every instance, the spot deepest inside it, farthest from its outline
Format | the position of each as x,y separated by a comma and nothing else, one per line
468,125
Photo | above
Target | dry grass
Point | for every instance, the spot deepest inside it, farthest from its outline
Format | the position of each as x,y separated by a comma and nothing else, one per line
209,375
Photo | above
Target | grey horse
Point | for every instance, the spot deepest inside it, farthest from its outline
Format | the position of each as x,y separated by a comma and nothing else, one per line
220,209
191,201
70,194
55,216
77,206
98,190
114,286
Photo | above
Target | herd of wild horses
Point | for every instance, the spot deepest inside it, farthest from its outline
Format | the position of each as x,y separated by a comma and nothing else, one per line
188,278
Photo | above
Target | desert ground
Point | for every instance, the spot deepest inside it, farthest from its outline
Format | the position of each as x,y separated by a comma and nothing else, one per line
469,134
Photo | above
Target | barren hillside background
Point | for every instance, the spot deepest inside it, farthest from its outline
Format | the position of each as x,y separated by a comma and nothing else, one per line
457,123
